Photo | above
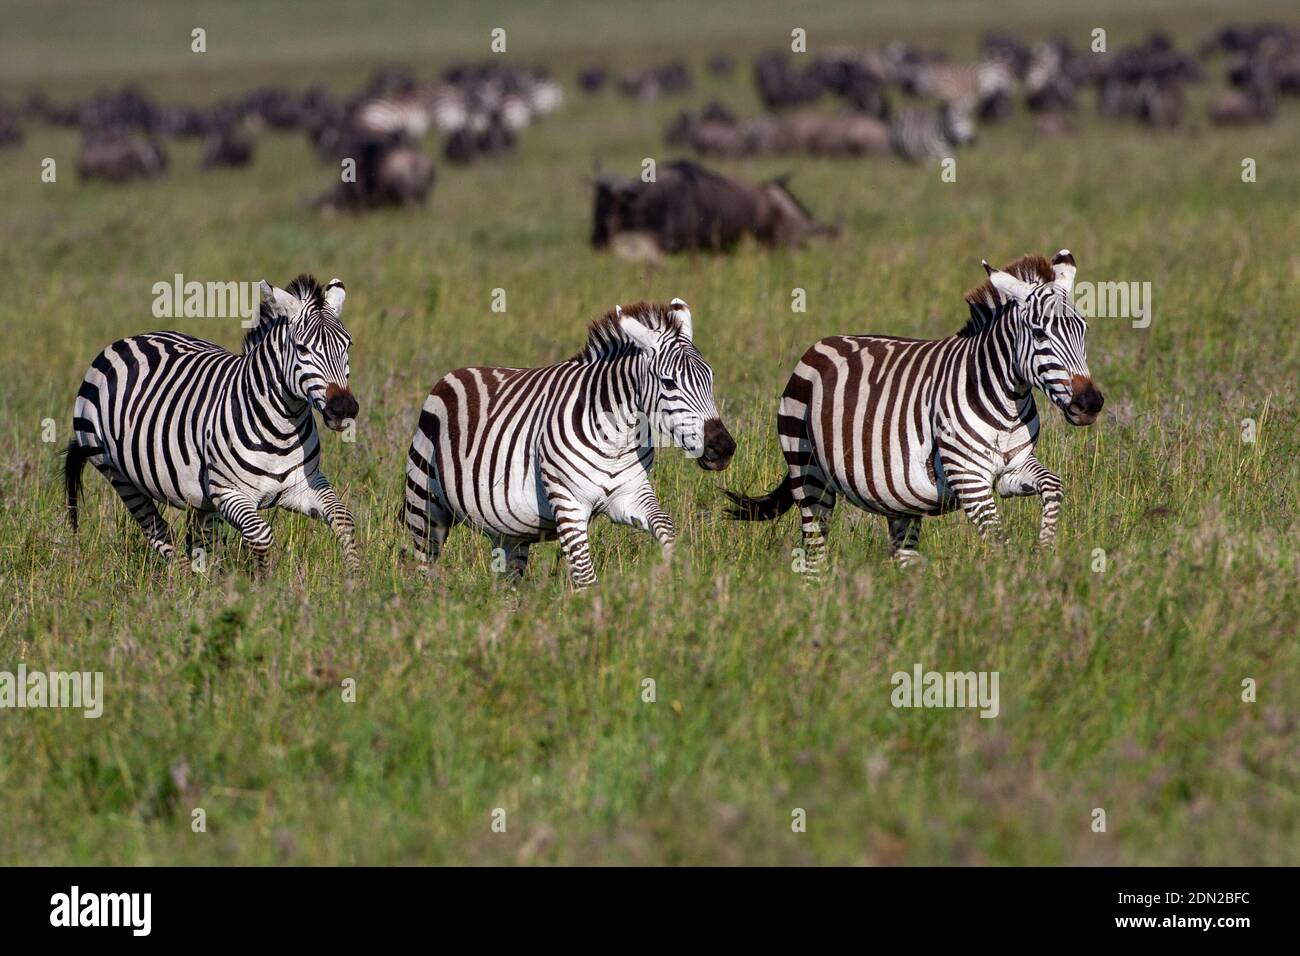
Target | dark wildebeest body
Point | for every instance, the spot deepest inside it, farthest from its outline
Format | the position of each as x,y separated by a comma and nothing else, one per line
389,172
119,155
689,207
228,146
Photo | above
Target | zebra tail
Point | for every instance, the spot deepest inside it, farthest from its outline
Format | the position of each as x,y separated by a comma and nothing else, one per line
75,457
765,507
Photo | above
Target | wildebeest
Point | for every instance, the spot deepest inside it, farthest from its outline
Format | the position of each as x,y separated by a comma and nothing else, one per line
655,81
592,79
689,207
11,134
392,172
482,136
118,154
1146,82
227,146
714,131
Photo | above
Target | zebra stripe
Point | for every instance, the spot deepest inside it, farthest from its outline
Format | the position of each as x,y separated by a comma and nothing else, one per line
526,455
906,428
919,134
170,418
385,117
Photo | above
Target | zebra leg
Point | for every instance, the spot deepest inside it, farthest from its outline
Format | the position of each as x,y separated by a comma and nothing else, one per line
200,536
323,502
571,520
814,515
809,486
242,513
515,553
428,522
572,532
975,494
1033,478
641,509
904,533
143,509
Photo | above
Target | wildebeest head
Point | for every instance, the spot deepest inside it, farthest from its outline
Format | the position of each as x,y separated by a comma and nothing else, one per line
613,209
783,219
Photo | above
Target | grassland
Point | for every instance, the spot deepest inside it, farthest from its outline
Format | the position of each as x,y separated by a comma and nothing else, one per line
1119,690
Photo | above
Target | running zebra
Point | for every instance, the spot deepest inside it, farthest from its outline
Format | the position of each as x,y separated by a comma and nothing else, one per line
168,417
906,428
527,455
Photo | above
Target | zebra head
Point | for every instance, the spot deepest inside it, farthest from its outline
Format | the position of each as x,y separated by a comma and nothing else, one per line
677,386
317,361
1049,339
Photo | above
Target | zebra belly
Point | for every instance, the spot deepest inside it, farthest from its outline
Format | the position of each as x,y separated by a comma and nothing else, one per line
917,488
503,500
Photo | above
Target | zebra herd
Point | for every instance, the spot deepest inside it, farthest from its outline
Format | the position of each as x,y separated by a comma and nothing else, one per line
900,427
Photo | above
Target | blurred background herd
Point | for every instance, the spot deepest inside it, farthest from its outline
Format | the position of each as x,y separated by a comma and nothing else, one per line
403,132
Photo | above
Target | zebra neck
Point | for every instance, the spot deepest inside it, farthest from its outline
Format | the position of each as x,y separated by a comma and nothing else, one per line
265,381
994,366
620,407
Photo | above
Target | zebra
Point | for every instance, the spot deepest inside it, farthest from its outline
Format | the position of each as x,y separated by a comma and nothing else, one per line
170,418
388,116
919,133
906,428
531,454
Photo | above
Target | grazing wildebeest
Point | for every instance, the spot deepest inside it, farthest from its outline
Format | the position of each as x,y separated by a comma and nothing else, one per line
653,82
11,134
1145,82
781,84
227,146
118,154
592,79
483,135
389,172
689,207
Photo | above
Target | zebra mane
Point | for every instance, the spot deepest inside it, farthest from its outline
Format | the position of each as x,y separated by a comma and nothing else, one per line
305,288
986,303
606,338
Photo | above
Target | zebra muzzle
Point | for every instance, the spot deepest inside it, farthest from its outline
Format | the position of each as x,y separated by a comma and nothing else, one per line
340,407
719,446
1086,401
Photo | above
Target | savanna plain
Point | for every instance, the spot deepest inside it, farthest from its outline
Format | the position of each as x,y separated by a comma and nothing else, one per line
1121,654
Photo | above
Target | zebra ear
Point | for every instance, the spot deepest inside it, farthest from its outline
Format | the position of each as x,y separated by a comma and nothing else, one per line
1064,268
679,310
334,296
277,300
1007,284
644,339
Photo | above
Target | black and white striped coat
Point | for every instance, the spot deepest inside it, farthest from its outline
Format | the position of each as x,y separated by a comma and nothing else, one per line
528,454
907,428
170,418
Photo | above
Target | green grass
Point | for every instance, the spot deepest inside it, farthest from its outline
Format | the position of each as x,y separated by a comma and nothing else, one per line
1119,690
